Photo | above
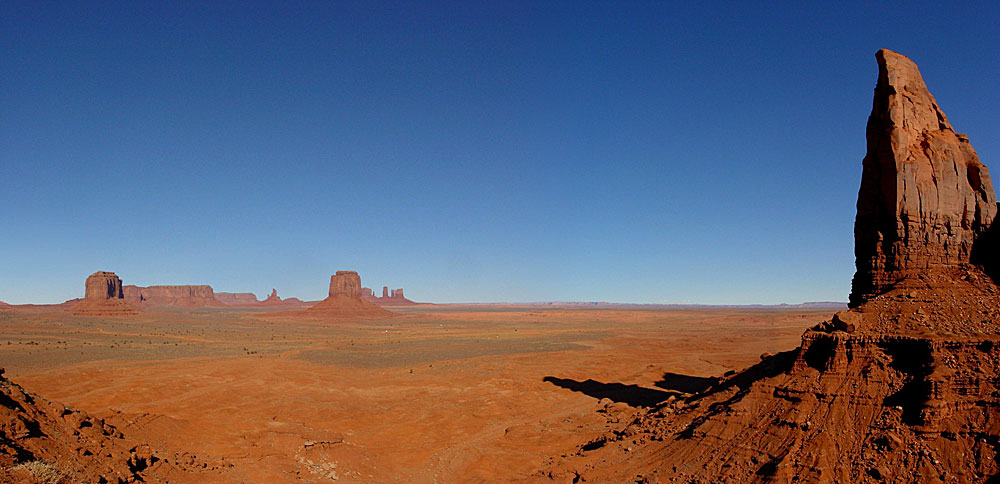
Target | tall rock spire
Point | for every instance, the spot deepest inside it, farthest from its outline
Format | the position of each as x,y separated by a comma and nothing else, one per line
925,197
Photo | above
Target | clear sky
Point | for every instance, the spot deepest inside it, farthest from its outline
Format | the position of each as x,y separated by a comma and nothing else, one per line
658,152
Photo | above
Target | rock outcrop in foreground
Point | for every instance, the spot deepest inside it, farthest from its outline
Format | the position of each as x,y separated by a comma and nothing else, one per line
103,297
42,441
190,296
345,299
925,197
904,387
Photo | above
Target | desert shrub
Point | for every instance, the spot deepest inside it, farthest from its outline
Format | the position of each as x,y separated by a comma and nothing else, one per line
43,471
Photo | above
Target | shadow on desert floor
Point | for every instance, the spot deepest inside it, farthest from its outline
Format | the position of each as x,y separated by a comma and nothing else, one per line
632,395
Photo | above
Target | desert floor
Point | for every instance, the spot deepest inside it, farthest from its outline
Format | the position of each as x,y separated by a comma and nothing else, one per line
435,394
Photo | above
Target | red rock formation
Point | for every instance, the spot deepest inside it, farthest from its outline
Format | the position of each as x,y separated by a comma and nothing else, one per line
273,299
103,297
237,298
925,197
393,298
186,296
346,300
103,285
42,440
345,283
903,388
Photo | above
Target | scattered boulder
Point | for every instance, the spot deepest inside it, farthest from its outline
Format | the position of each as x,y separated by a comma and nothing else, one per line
847,321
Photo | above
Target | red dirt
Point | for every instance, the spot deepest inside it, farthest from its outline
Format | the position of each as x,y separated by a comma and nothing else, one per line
432,394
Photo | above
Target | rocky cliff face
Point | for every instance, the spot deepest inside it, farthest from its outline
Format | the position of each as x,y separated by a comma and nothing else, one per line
103,285
186,295
925,197
904,387
345,283
103,296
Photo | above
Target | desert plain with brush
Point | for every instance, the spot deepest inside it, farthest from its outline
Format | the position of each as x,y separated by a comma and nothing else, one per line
900,384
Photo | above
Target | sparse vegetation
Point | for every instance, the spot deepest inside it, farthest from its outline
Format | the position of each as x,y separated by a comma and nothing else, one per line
44,472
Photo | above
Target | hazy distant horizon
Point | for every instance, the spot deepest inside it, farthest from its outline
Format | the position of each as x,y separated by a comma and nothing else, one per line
464,152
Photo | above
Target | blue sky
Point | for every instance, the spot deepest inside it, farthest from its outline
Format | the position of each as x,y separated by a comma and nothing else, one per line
466,151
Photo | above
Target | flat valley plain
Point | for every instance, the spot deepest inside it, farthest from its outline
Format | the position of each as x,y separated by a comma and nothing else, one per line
438,393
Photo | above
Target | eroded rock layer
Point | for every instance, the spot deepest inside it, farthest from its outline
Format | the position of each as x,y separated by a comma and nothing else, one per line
902,388
43,441
925,197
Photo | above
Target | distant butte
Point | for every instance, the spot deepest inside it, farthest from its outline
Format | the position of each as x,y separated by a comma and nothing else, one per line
103,297
395,298
345,299
192,296
273,299
237,298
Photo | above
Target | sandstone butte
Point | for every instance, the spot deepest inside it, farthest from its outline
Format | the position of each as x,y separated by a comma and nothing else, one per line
902,388
186,295
103,297
345,300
